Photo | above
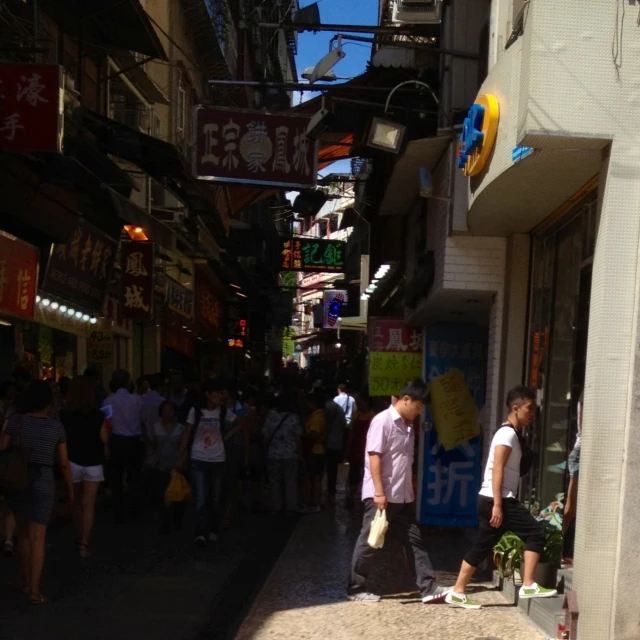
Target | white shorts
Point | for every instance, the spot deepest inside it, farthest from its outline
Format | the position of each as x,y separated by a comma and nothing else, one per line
86,474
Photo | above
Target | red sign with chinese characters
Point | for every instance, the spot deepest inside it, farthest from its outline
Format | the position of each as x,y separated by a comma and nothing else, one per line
254,147
178,340
391,335
209,310
30,107
18,277
137,280
80,270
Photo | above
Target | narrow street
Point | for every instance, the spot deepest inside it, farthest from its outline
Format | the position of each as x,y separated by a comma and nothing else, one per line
139,584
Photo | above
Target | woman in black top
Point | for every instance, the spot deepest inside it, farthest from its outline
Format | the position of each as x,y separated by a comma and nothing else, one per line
87,436
45,439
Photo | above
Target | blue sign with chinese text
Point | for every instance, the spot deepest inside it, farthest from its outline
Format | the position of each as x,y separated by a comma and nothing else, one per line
451,479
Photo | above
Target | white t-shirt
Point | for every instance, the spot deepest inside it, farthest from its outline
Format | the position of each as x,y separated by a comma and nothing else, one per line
507,437
207,442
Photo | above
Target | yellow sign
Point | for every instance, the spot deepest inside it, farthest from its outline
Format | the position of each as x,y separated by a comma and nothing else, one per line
45,344
100,346
478,134
389,372
453,409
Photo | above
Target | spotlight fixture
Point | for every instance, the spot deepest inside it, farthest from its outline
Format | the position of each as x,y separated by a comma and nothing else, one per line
46,302
54,305
38,298
70,312
78,314
93,320
63,308
86,317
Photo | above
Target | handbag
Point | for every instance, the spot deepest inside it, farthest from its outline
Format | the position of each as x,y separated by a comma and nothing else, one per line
14,464
379,526
179,490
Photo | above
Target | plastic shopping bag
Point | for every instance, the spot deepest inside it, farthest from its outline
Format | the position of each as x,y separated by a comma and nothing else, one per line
178,490
379,528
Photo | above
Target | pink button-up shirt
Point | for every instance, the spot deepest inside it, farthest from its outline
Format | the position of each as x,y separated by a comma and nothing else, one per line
391,437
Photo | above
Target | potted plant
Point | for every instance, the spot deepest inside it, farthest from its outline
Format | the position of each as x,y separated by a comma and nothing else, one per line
508,555
550,558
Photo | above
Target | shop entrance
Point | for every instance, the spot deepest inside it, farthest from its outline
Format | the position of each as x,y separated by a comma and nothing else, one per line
559,321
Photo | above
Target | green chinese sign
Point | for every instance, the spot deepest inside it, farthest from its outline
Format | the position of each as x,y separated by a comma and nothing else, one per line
312,255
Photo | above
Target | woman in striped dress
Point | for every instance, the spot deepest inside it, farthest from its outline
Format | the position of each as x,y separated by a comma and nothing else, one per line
45,438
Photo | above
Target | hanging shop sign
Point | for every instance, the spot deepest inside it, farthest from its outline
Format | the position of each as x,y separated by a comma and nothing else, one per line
478,135
395,355
312,255
209,310
80,270
179,298
18,277
455,364
137,260
31,116
332,303
253,147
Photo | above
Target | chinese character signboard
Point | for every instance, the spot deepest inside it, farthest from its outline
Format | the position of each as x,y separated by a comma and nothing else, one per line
456,356
137,280
208,304
18,277
80,270
100,346
311,255
179,298
253,147
395,355
332,302
30,107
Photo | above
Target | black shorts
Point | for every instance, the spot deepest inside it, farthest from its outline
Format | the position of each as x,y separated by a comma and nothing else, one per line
315,464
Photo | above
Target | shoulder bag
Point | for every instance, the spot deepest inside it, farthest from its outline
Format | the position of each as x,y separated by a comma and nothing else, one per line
526,459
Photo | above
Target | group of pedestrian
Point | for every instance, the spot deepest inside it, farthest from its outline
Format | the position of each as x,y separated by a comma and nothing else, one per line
388,487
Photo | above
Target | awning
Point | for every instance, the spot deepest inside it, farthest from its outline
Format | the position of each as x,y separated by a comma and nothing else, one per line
130,68
115,24
162,161
132,214
403,188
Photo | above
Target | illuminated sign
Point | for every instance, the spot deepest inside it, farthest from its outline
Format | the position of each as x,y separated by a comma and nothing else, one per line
236,343
331,307
478,134
312,255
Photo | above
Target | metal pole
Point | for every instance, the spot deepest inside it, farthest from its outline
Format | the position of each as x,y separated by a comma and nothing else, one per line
301,86
347,28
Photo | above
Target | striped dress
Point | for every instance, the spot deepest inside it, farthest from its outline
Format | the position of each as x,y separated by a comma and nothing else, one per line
41,436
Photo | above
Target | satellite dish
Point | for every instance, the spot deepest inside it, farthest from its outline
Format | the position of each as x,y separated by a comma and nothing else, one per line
328,62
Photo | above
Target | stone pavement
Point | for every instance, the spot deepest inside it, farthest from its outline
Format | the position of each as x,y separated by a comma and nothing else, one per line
304,597
139,584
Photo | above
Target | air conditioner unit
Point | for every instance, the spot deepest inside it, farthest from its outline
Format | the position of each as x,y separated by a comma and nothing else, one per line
417,11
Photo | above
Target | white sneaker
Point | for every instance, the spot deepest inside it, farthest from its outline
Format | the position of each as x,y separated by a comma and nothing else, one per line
213,537
438,595
536,591
364,598
461,600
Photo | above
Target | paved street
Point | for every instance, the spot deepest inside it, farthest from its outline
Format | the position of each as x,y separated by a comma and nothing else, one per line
304,598
141,585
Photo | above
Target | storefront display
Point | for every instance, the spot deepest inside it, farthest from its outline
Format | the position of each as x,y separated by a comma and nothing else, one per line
558,326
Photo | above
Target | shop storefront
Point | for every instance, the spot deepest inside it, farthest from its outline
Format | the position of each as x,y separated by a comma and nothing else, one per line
562,262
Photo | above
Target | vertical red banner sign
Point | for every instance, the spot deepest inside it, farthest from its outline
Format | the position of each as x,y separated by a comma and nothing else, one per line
30,107
18,277
137,280
209,311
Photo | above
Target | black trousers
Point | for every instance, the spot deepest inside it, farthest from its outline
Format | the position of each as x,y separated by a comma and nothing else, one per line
334,459
515,518
403,525
127,456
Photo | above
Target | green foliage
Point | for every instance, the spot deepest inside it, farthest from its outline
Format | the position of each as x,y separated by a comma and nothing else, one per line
552,551
508,555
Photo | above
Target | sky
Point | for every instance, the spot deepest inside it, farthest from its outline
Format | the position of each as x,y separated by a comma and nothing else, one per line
312,47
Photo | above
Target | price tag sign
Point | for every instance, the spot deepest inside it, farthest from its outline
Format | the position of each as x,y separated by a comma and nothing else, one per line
100,346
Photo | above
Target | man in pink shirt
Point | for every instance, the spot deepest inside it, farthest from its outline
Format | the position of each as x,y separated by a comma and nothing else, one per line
388,484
